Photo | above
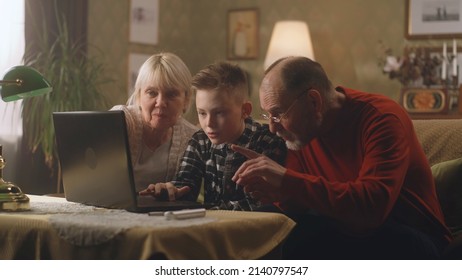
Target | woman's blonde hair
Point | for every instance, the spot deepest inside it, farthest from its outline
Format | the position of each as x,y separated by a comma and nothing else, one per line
164,71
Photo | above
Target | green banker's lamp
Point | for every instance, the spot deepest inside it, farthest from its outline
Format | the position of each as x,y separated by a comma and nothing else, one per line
19,82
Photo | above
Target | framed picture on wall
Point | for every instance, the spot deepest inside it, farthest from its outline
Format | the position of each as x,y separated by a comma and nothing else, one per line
144,21
242,36
135,60
433,19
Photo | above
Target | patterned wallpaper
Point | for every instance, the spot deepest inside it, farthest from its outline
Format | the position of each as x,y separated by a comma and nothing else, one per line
345,37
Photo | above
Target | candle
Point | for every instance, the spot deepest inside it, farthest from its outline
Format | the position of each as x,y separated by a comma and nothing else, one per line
454,59
454,47
443,64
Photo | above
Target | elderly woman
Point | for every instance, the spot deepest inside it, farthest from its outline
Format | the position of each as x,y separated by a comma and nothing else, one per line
158,135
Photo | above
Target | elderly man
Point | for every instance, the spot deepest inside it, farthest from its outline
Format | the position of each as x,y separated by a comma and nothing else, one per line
356,180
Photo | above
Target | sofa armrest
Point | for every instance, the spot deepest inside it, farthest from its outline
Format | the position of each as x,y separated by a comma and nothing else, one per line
441,139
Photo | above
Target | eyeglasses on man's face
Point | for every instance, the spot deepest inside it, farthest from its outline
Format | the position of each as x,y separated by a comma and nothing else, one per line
277,119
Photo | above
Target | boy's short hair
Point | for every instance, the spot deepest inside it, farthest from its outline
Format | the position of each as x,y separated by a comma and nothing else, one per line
223,77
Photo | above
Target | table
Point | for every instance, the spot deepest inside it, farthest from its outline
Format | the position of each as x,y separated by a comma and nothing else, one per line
58,229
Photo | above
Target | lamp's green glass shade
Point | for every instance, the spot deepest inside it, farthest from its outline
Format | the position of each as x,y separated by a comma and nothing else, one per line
30,83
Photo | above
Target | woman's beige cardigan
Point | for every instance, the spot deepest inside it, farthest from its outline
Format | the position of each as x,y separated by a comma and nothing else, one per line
182,132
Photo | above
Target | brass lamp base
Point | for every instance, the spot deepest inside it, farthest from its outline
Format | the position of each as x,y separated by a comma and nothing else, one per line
12,198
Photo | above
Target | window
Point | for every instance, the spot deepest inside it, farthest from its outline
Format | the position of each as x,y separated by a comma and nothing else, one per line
11,52
12,25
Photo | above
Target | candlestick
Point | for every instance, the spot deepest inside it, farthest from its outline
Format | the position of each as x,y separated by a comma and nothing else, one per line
443,64
443,70
454,59
454,66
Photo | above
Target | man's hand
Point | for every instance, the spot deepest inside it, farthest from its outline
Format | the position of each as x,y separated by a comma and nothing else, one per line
164,191
260,176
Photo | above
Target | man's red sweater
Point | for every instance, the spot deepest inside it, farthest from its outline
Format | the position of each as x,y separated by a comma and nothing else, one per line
370,167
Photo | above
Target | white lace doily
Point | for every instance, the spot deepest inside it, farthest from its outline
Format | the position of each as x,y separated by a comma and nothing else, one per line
85,225
92,228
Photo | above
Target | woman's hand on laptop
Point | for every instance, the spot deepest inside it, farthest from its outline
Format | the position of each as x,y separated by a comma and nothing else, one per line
165,191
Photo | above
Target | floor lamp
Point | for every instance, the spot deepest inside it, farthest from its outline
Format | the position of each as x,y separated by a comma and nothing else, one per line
19,82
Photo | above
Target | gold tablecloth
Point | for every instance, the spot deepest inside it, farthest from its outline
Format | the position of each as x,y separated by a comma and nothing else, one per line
224,235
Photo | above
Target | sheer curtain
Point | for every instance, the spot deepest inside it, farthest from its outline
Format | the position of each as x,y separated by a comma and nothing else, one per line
11,52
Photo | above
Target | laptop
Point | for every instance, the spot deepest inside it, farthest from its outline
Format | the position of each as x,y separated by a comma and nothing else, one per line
96,166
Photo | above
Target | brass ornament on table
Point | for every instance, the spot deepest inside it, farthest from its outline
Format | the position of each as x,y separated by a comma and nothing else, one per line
11,197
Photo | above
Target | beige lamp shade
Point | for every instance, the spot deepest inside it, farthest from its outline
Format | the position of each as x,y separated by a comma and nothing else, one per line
289,38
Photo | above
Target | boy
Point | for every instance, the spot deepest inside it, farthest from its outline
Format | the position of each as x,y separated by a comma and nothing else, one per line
224,111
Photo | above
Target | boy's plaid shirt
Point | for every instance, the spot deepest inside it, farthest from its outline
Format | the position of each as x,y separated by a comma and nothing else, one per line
216,164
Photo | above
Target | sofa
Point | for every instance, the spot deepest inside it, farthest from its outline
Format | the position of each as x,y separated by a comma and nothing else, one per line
441,140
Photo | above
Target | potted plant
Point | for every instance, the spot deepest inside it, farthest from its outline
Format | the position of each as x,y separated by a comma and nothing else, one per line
76,79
